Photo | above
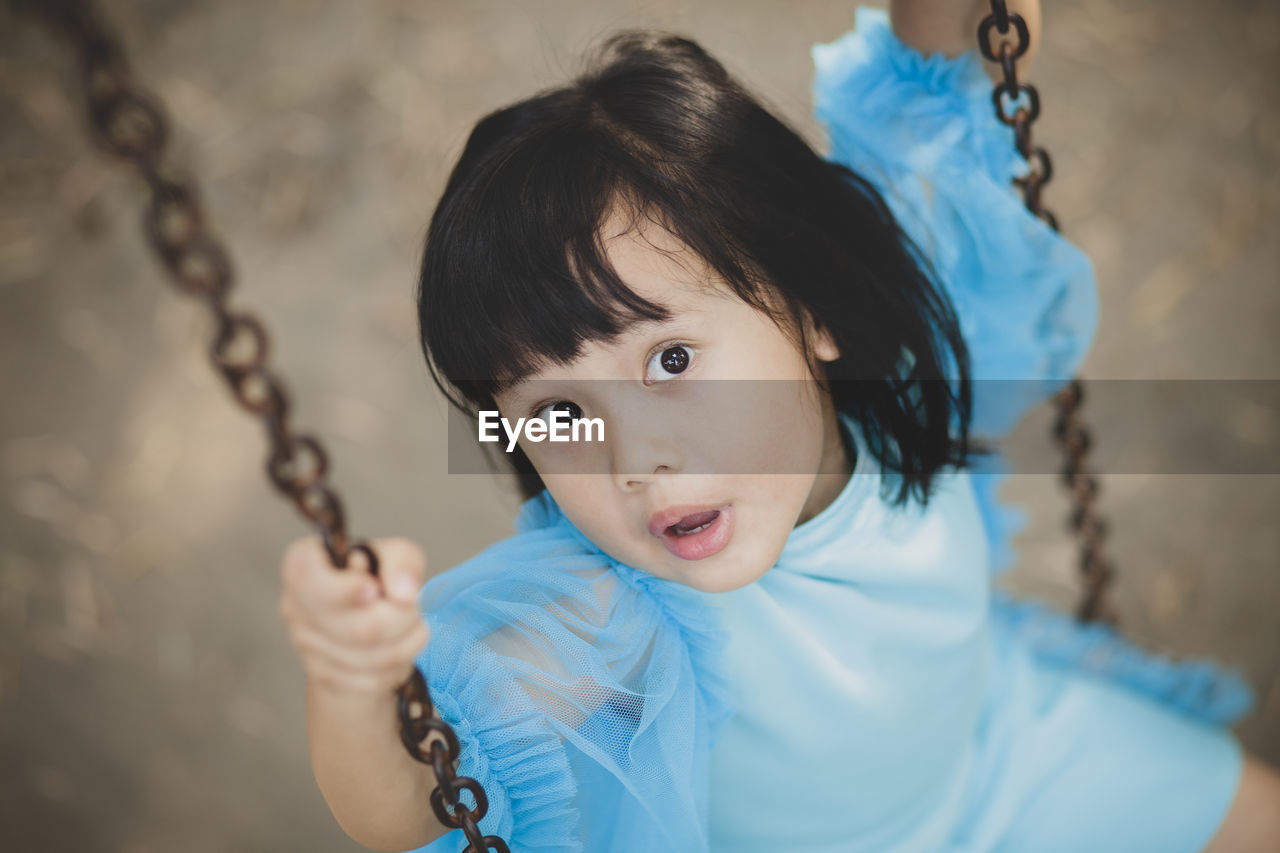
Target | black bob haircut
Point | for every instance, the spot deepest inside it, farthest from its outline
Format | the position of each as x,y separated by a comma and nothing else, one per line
514,274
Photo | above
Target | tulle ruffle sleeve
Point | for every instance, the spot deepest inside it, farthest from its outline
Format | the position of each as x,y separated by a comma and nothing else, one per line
924,132
584,693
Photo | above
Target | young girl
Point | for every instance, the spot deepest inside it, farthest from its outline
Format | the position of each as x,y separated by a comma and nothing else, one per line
758,615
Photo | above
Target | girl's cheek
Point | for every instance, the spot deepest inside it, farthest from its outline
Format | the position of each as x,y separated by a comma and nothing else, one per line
566,457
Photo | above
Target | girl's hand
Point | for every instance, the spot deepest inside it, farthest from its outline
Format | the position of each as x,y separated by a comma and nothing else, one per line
355,633
951,27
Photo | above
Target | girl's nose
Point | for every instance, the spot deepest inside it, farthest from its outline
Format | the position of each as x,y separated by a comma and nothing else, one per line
644,444
633,483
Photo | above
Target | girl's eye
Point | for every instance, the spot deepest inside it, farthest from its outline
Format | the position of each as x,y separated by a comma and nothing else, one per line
669,362
573,409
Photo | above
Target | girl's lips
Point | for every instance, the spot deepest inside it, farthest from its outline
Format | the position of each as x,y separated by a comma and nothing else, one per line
693,533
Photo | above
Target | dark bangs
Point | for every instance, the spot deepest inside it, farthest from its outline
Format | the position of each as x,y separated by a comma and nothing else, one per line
514,274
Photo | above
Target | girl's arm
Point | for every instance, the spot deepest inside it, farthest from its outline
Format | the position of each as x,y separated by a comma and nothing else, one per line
950,27
377,793
358,636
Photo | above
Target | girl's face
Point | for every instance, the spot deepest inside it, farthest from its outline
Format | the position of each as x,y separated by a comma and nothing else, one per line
701,475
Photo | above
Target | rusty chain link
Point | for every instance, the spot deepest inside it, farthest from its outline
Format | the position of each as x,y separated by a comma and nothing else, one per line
1069,431
129,122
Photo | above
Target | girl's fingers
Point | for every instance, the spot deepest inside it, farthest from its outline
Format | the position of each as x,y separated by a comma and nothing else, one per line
338,590
317,586
365,633
321,650
402,568
351,635
390,661
380,623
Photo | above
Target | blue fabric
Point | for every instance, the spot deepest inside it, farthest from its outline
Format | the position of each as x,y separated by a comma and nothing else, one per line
873,671
858,663
1096,767
915,719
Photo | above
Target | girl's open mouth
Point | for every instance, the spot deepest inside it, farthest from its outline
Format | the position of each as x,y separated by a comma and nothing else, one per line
694,535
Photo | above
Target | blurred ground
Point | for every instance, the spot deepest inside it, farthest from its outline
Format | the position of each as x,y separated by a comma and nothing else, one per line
149,699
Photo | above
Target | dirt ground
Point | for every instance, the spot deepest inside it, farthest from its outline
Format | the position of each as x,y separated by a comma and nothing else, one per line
149,698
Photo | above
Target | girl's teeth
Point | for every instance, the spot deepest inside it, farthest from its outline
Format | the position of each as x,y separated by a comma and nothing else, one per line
708,518
678,532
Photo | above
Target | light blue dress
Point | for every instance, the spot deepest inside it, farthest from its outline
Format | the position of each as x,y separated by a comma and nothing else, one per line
871,692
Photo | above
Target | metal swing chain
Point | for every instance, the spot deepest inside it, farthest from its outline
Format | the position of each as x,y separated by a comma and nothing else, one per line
129,122
1069,431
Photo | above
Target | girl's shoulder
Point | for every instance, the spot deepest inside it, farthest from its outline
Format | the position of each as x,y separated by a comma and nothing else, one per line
552,662
546,597
498,629
546,560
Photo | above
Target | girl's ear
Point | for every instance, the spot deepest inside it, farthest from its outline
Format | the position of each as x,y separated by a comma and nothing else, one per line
824,346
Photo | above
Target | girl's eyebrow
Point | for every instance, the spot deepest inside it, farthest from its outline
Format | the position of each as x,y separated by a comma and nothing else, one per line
681,320
678,314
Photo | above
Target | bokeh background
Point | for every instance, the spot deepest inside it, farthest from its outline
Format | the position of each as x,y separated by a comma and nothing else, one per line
149,697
